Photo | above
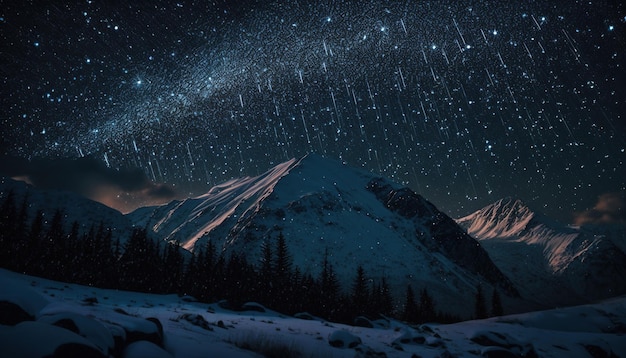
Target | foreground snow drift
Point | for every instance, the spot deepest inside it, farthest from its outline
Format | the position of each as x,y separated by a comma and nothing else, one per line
40,317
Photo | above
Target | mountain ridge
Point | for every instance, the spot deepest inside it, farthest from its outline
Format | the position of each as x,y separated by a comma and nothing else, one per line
555,263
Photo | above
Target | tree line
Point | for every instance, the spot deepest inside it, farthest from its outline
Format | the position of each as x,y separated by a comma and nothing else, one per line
42,247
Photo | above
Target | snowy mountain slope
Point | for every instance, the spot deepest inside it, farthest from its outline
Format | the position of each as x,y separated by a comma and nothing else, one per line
188,220
117,322
74,207
550,262
320,204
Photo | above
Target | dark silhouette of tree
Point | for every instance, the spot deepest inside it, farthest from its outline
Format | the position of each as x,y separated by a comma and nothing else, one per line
33,252
54,246
139,264
385,305
174,265
69,267
296,303
282,270
480,308
496,304
329,289
427,311
266,273
410,313
210,260
192,274
360,293
8,232
237,280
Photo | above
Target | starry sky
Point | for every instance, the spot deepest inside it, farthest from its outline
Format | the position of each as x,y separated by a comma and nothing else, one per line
465,102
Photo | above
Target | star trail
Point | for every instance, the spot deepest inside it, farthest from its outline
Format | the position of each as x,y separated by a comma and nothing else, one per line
463,101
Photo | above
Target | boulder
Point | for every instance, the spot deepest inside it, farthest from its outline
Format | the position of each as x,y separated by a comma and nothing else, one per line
89,328
38,339
343,339
12,314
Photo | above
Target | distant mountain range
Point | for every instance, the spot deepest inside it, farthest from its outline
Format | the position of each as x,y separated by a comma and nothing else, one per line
75,208
323,206
551,264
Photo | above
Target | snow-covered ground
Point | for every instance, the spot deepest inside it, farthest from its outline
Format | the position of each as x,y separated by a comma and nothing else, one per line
105,318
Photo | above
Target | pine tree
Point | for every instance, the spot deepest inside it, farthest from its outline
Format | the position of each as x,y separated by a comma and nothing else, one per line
329,290
71,251
139,263
33,248
8,234
480,308
173,261
283,259
410,313
496,304
427,311
191,272
210,261
282,271
360,293
386,302
266,274
54,247
21,231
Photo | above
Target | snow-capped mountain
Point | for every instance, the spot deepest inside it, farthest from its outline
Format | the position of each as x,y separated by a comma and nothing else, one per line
320,204
75,208
550,263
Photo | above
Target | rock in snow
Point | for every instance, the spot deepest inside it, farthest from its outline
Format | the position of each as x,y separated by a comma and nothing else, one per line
343,339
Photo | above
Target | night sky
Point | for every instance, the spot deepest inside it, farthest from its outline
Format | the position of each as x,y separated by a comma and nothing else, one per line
466,102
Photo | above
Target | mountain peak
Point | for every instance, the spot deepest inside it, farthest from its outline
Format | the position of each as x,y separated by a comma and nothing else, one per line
504,218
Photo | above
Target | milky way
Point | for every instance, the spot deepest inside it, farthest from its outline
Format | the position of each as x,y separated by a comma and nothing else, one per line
465,102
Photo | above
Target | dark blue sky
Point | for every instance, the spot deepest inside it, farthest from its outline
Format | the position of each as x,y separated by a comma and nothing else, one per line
465,102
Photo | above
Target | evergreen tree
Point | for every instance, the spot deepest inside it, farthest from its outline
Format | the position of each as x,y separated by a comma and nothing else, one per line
190,276
297,293
360,293
496,304
17,236
282,270
8,234
410,313
210,261
32,253
22,217
266,274
386,300
282,266
54,247
71,251
310,298
173,262
329,290
480,308
427,311
139,264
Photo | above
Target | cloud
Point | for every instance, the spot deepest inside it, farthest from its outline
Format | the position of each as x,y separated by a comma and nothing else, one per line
123,189
610,208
